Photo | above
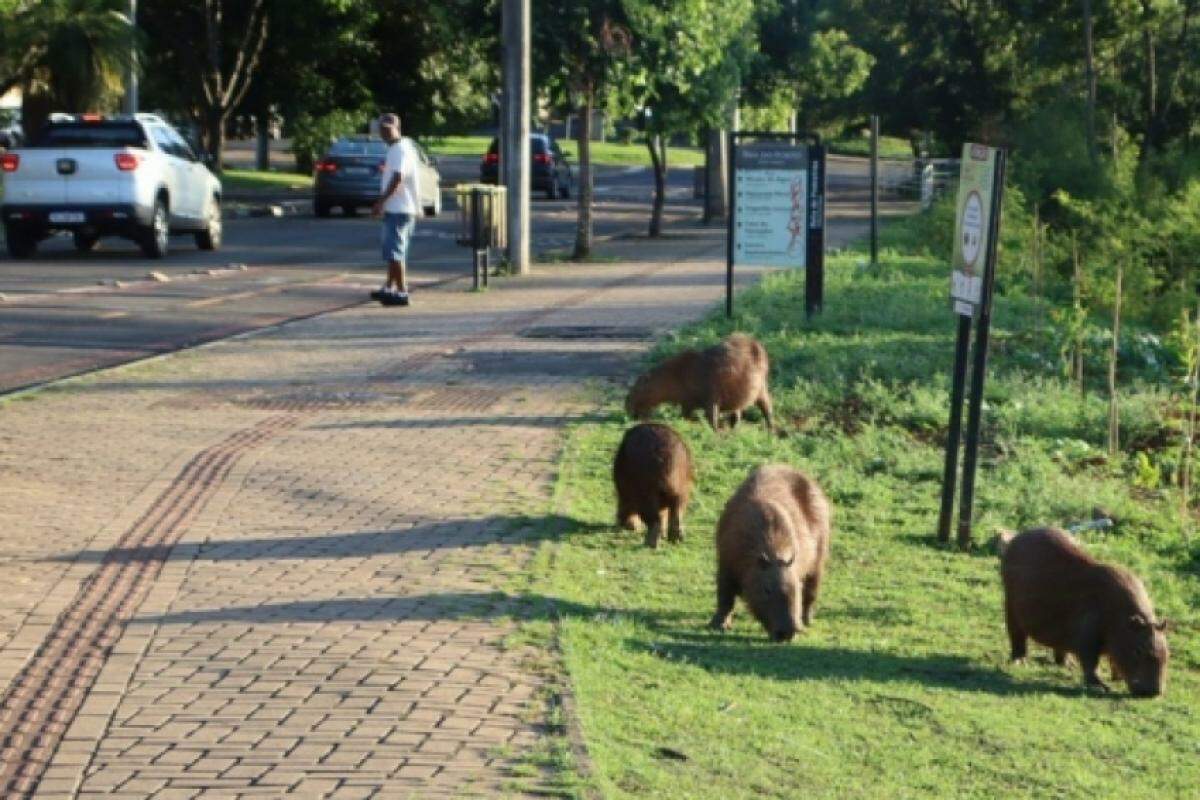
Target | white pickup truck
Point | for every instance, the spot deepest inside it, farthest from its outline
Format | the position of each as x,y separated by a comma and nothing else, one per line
130,176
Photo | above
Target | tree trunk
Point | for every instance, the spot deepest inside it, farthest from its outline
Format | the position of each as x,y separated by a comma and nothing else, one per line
35,111
215,135
1114,429
583,231
1151,92
262,150
658,157
1090,79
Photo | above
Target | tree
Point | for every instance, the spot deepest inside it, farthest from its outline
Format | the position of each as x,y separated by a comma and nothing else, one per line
72,55
208,53
689,56
582,54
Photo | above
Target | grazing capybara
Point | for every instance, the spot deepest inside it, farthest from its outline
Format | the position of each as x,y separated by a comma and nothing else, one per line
1061,597
653,473
772,542
726,378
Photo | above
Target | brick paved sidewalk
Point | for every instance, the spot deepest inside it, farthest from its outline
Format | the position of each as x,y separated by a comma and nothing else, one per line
284,564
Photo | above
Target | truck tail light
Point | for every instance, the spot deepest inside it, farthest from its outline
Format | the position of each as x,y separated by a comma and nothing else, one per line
9,162
541,158
126,162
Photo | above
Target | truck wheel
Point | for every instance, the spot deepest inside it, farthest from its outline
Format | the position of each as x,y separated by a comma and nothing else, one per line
210,237
85,242
155,238
20,243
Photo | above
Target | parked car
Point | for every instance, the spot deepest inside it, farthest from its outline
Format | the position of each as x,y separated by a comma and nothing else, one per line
348,176
130,176
551,171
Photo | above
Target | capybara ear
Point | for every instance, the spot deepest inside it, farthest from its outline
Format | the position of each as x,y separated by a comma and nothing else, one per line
1138,621
764,560
1003,539
1162,626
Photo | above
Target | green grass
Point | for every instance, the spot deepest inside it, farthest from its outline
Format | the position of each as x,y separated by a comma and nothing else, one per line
889,146
902,687
254,180
603,153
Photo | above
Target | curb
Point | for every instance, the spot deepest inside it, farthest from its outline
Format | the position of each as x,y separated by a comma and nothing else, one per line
283,208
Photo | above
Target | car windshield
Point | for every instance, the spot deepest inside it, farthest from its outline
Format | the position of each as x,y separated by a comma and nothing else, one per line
91,134
358,147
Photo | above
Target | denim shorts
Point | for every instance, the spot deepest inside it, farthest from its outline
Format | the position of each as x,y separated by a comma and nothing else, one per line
397,233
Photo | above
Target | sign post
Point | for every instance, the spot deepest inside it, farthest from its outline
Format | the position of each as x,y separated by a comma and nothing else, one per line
777,217
976,234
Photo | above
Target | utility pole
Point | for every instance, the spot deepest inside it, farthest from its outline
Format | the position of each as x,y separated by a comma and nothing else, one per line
130,102
515,129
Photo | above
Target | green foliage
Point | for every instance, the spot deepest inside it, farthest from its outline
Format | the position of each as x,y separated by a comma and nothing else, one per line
311,136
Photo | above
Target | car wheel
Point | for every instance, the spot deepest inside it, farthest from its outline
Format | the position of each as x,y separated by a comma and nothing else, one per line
85,242
321,208
155,238
210,237
349,211
20,243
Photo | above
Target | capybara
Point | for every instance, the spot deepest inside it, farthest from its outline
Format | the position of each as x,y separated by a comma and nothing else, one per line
653,473
772,542
1061,597
726,378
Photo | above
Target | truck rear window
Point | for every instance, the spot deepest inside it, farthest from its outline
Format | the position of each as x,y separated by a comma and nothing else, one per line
90,134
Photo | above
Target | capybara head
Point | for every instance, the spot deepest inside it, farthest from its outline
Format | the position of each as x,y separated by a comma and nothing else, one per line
1138,648
773,595
643,397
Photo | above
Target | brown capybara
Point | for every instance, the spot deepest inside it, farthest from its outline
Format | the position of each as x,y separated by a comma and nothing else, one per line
772,542
653,473
1061,597
726,378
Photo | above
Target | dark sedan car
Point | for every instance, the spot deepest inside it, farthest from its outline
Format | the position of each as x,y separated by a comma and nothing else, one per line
348,177
551,170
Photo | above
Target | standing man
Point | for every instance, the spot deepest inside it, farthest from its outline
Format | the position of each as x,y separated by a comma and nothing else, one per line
398,203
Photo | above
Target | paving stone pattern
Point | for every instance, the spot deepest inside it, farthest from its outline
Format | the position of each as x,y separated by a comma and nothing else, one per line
286,564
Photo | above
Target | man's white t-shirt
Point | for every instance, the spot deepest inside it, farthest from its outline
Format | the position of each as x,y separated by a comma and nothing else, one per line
402,158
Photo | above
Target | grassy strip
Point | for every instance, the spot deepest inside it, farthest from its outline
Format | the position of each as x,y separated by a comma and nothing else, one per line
902,687
603,153
255,180
889,147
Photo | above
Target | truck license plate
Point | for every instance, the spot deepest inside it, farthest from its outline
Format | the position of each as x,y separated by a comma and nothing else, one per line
66,217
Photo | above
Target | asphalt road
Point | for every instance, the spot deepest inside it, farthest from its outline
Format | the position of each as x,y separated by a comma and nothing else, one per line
64,313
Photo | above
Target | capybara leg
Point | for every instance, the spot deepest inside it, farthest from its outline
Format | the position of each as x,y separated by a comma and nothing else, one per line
1089,659
812,585
626,517
714,416
1060,657
726,595
675,523
654,526
734,419
764,405
1114,671
1017,639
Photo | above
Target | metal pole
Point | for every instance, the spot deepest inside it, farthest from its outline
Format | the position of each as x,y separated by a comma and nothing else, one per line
732,150
814,270
517,46
130,102
874,190
975,410
954,438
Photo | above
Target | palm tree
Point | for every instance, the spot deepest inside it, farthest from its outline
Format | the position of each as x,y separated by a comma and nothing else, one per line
73,54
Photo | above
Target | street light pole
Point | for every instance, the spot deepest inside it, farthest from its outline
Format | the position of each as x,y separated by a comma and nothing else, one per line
130,102
515,129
